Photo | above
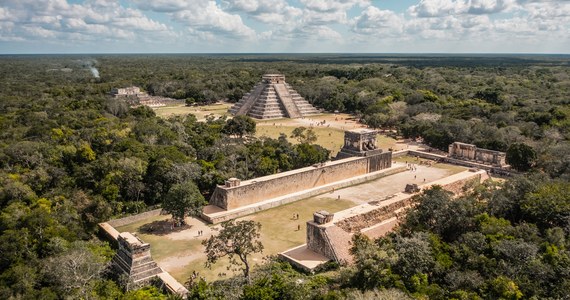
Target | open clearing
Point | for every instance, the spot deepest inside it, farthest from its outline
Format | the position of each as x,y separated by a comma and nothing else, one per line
180,253
329,129
217,110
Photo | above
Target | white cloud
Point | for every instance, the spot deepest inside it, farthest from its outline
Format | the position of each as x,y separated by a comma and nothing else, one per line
436,8
333,5
375,21
222,25
58,20
489,6
208,16
441,8
164,5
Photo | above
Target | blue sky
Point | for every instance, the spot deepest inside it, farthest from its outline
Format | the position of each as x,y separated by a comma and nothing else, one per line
230,26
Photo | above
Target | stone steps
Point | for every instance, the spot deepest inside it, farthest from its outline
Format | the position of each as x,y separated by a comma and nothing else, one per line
269,100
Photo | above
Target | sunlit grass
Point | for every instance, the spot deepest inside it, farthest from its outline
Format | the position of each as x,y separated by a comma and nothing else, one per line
218,109
279,232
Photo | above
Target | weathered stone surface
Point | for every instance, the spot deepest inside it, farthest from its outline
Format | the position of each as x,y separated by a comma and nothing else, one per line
359,142
332,239
322,217
272,186
411,188
471,152
273,98
133,260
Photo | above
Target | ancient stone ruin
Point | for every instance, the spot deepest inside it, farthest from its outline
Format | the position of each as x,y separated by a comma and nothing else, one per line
472,153
273,98
235,194
411,188
134,96
133,260
127,91
359,142
329,235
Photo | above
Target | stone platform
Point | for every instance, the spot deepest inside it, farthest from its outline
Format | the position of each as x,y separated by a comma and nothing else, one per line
214,214
331,238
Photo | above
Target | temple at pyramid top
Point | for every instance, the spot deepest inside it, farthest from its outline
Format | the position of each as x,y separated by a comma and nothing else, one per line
273,98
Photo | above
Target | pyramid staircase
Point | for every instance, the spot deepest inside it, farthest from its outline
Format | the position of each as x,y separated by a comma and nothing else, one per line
133,260
273,98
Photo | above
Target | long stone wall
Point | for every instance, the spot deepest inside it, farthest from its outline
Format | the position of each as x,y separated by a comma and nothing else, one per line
332,239
506,171
134,218
263,188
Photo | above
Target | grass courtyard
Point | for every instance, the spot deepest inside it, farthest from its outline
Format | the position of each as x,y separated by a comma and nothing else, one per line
330,135
181,253
217,109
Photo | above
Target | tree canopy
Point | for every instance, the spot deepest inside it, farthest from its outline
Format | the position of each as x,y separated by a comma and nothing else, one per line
237,240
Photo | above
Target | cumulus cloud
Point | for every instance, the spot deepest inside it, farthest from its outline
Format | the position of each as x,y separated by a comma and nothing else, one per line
58,20
375,21
201,16
284,22
332,5
440,8
270,12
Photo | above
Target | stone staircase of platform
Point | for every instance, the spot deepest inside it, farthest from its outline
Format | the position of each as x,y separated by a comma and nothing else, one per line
139,270
133,259
304,107
288,102
243,106
267,106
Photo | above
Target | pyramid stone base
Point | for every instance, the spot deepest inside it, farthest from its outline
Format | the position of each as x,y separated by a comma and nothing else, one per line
273,98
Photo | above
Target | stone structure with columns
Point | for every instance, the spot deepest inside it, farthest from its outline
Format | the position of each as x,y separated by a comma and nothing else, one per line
359,142
472,153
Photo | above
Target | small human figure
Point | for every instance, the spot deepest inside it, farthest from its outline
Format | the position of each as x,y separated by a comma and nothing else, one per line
424,180
298,227
338,197
415,176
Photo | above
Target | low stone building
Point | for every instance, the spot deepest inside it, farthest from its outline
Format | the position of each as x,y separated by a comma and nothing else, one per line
359,142
472,153
127,91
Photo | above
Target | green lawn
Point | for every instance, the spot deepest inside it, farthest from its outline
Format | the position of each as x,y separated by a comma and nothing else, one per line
412,159
278,233
328,137
218,109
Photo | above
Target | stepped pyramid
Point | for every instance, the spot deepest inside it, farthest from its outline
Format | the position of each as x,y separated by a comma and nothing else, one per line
133,260
273,98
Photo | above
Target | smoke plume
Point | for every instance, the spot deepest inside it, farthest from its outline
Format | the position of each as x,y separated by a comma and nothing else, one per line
94,71
90,64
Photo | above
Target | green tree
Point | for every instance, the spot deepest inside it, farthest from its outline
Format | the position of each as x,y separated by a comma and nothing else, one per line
521,156
304,135
236,240
307,155
549,205
183,199
240,126
190,101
